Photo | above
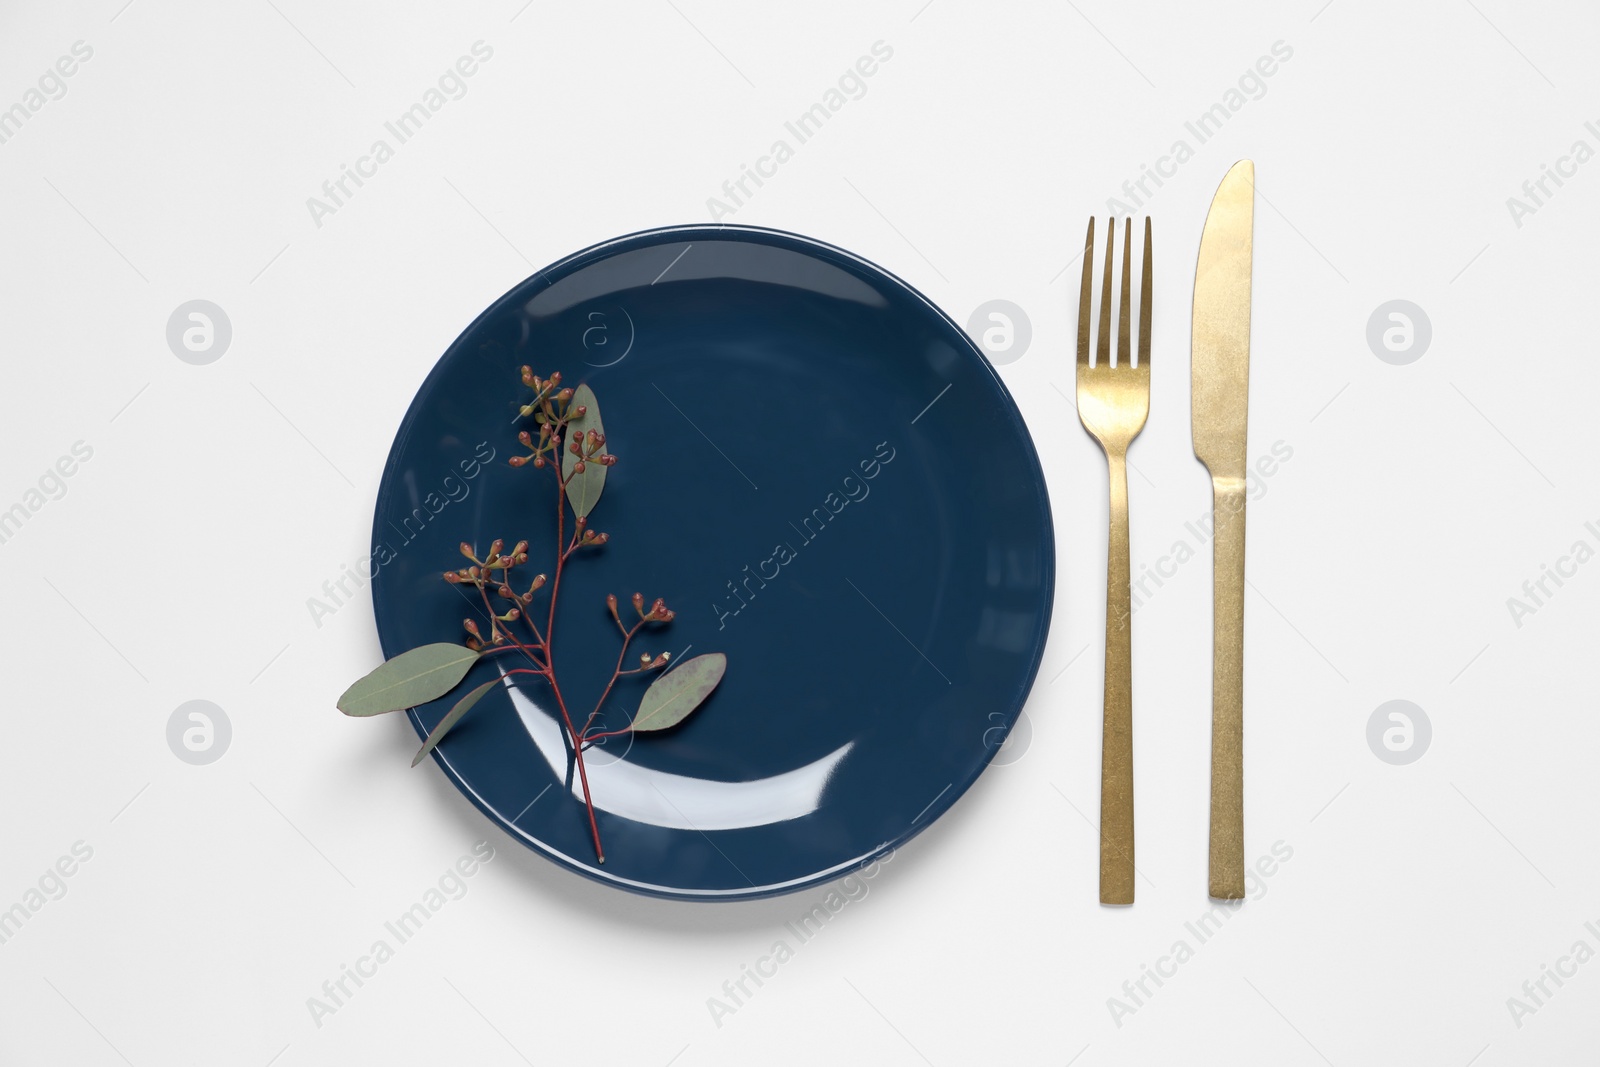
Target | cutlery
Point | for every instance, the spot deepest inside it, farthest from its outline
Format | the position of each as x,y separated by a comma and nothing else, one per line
1113,402
1220,365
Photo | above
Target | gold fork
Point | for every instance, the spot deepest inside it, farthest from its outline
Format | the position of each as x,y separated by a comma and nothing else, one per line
1113,402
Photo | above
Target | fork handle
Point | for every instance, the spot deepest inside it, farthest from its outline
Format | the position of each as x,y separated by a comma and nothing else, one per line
1227,691
1116,744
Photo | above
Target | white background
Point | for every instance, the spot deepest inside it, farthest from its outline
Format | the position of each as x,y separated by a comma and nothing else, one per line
219,498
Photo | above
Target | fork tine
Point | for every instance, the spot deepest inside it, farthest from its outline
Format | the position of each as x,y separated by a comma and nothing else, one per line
1125,308
1103,343
1086,296
1144,300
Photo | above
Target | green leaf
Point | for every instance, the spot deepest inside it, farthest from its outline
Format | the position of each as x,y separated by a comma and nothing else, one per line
583,490
452,717
411,678
671,697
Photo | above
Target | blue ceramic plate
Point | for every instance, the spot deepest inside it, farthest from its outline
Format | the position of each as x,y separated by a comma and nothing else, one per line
823,477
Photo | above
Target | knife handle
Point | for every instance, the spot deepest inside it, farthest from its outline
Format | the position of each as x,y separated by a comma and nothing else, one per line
1116,743
1227,691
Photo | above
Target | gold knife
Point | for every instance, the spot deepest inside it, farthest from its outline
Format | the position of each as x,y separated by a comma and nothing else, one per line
1220,365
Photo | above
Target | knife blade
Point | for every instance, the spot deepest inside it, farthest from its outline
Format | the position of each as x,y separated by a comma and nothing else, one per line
1220,370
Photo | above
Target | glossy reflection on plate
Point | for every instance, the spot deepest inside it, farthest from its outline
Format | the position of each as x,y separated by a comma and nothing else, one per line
828,483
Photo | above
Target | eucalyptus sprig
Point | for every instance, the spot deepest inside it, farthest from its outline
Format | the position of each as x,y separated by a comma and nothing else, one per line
571,442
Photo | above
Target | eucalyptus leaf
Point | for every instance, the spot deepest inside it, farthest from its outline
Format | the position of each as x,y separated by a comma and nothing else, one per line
452,717
411,678
671,697
583,490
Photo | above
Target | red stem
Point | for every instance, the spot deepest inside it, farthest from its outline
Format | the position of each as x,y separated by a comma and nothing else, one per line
549,640
591,738
494,625
513,647
577,752
615,674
